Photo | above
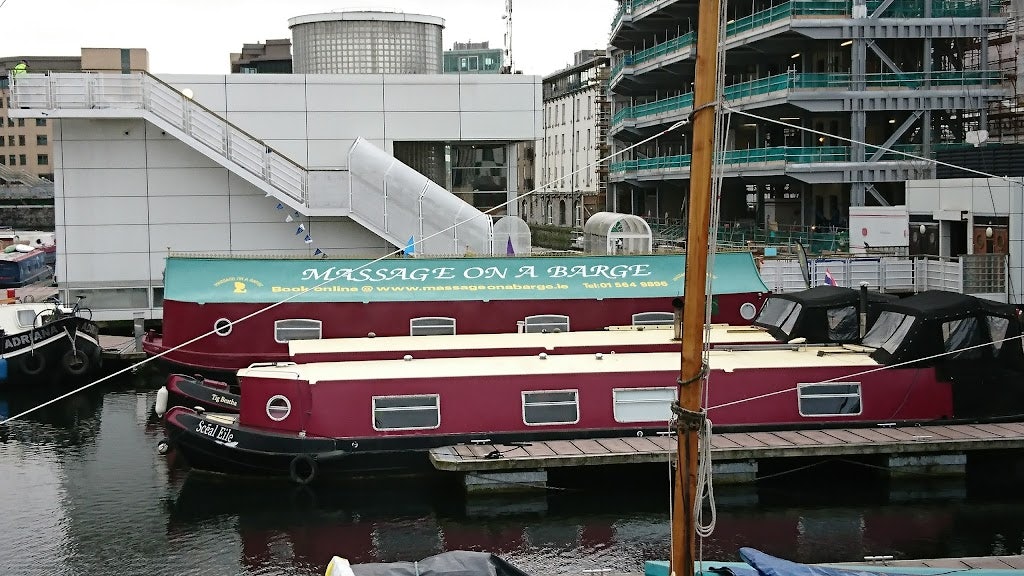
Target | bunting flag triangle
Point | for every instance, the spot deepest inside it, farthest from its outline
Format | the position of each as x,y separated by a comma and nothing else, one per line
509,250
317,252
308,239
288,218
300,229
280,206
410,246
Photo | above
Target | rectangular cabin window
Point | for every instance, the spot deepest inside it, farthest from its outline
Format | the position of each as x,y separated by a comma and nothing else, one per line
27,318
431,326
653,319
551,407
831,399
297,329
546,323
643,404
419,412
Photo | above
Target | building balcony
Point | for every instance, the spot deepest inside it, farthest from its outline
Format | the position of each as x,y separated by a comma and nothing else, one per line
823,92
630,12
811,164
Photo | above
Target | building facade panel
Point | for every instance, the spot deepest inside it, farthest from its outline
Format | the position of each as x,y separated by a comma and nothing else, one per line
183,182
491,96
518,125
103,154
84,240
345,125
421,94
88,182
99,269
102,211
167,152
271,124
427,126
188,209
349,93
249,93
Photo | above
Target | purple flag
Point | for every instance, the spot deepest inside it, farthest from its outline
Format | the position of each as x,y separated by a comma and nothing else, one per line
509,250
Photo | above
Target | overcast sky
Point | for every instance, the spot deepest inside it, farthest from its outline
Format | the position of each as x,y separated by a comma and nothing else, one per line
197,36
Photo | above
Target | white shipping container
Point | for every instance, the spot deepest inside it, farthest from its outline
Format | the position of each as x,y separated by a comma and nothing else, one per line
878,226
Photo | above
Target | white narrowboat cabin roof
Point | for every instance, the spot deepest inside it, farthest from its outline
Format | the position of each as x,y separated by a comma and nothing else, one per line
596,363
609,337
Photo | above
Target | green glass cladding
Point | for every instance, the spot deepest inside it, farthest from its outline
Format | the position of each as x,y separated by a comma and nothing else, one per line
226,280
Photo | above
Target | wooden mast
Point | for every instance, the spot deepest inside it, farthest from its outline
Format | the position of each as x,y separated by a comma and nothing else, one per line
690,374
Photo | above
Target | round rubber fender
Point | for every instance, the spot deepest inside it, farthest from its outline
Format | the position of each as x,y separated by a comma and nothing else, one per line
75,362
163,447
32,363
303,469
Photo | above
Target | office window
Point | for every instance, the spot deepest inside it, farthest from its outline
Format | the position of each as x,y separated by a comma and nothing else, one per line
41,139
21,122
21,140
22,159
589,108
40,121
563,112
43,159
13,159
2,142
10,140
3,160
10,122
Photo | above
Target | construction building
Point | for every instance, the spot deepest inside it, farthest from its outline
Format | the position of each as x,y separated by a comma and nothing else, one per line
270,57
824,96
473,58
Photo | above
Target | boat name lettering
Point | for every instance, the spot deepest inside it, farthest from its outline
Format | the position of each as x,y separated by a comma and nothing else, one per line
223,400
27,338
215,431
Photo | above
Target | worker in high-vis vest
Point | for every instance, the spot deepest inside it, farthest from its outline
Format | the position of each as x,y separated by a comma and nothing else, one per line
19,69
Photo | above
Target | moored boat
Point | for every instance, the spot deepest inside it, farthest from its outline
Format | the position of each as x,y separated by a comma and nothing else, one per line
48,340
369,415
315,299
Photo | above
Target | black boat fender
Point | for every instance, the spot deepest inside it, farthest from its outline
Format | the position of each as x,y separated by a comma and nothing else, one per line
303,469
75,362
32,363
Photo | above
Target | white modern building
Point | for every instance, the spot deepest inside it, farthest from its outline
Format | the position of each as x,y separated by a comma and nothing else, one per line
573,182
290,165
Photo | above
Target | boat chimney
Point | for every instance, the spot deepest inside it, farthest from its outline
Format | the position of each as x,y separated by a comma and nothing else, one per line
863,309
677,318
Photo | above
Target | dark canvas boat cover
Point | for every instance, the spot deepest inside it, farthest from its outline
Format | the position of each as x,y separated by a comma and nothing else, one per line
456,563
937,322
821,314
762,564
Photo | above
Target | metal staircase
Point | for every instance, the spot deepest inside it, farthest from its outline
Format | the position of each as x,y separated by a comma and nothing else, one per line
379,192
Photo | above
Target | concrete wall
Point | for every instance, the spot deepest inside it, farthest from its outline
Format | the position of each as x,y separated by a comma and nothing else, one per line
126,192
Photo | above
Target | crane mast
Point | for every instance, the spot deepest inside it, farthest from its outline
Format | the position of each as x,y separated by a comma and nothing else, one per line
507,17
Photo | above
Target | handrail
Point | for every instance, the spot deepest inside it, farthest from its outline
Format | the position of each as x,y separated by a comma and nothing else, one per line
147,92
227,122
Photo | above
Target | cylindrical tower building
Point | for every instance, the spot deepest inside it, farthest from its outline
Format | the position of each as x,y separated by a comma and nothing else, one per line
366,43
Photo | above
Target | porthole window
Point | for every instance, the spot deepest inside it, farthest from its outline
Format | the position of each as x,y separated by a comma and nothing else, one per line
222,327
278,408
748,311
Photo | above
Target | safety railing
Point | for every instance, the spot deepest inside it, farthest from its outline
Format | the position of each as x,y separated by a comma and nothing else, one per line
967,274
812,81
146,92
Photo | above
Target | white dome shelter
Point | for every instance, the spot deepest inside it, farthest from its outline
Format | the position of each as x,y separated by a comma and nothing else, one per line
614,233
512,236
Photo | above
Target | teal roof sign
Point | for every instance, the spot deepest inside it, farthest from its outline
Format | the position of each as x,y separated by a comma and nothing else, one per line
216,280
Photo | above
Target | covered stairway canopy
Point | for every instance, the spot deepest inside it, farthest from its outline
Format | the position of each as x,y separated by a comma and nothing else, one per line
615,233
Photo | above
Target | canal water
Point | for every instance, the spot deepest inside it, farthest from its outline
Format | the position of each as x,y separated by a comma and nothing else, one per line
83,491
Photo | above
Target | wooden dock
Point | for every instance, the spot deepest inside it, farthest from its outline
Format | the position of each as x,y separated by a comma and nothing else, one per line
120,348
892,441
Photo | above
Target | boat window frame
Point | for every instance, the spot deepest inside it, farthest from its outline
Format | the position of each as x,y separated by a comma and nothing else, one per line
543,326
663,318
436,407
317,323
616,402
449,323
748,311
800,387
575,403
287,406
221,330
32,321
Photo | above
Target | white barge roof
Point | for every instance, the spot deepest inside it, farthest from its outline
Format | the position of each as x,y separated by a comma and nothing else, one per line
597,363
608,338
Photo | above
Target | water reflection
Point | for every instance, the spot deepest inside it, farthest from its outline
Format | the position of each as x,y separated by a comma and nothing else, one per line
84,491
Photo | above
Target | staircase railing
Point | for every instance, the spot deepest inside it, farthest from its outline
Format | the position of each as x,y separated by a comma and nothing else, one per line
147,92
